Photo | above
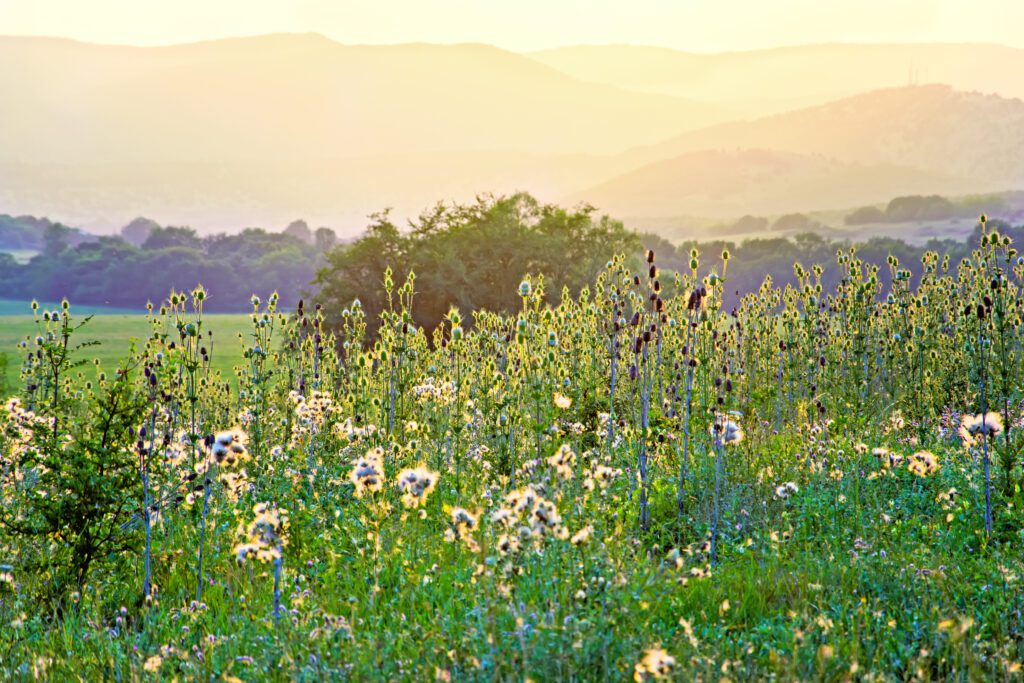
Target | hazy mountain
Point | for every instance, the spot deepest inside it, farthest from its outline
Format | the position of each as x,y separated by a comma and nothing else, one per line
213,196
760,82
255,131
304,97
258,131
932,128
727,184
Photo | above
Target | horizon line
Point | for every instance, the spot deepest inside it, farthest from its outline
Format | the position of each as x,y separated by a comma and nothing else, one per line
586,45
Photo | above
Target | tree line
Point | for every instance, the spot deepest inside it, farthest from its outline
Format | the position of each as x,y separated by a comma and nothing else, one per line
471,256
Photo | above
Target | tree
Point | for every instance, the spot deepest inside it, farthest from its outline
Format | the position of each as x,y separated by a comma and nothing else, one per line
794,222
749,223
162,238
139,230
917,207
324,239
865,214
56,238
299,230
473,256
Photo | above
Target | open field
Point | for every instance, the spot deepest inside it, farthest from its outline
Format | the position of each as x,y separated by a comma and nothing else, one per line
15,307
115,334
545,496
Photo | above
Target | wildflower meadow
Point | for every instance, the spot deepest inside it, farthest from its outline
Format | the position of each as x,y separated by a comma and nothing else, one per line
631,481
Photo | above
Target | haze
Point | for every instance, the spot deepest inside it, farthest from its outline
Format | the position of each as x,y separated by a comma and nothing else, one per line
670,115
698,25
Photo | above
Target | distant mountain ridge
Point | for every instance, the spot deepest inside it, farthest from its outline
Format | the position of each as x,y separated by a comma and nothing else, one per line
931,127
722,184
289,98
911,140
241,132
759,82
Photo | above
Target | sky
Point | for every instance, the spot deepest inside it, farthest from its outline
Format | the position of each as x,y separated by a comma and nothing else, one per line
695,25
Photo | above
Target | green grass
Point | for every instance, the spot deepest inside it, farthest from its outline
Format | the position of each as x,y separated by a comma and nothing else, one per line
115,334
24,308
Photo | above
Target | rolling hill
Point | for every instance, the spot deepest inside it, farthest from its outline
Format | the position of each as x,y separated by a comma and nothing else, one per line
761,82
722,184
303,97
259,131
933,128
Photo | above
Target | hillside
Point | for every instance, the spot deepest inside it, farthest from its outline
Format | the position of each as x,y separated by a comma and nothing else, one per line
933,128
760,82
726,184
304,97
244,132
255,131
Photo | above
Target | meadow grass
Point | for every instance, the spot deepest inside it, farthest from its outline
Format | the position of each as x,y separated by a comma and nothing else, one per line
621,485
115,333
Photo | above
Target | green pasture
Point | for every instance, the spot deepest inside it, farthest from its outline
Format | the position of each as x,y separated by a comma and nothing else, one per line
115,333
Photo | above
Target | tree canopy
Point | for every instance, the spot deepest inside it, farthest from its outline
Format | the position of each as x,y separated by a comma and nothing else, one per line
473,256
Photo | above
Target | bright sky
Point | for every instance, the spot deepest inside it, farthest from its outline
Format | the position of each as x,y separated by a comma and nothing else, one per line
698,25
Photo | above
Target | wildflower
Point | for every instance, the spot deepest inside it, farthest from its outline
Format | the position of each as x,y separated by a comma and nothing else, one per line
700,572
507,545
582,536
889,459
956,628
348,431
600,476
153,664
443,393
264,535
562,401
989,424
229,447
655,665
923,463
235,484
727,430
503,517
563,461
368,473
947,499
783,491
463,524
416,485
540,517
